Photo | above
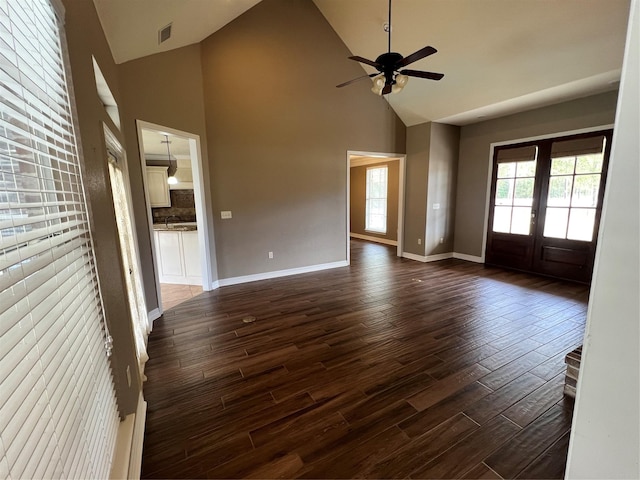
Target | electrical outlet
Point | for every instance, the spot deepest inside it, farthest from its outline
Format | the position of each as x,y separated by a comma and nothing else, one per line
225,214
419,241
270,255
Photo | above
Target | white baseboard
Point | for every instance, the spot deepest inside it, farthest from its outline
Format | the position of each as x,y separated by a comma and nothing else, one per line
127,459
154,315
137,441
468,258
428,258
215,285
413,256
224,282
439,256
374,239
122,454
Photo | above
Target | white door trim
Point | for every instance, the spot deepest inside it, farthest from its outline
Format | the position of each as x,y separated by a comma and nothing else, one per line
402,158
203,218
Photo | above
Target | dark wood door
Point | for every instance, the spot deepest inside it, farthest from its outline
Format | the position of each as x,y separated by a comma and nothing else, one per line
546,201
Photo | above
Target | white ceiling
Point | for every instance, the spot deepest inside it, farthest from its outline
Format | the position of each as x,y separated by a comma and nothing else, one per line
498,56
152,144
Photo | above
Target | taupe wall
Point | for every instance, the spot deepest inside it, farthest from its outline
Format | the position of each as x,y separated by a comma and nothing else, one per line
432,163
474,162
164,89
278,131
417,172
441,188
358,194
85,38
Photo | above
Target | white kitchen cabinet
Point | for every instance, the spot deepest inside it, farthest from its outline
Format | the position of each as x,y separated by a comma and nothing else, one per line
158,187
178,257
191,258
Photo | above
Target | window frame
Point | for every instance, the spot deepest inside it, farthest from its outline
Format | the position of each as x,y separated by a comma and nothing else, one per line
369,198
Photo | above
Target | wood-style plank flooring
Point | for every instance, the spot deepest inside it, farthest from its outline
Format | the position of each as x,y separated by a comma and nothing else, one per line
389,368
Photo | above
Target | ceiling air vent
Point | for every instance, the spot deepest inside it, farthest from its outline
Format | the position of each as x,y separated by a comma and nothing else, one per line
164,34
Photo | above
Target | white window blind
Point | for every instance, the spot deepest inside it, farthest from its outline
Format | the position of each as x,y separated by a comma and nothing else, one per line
58,413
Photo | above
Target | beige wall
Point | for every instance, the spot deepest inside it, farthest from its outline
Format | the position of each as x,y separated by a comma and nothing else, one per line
164,89
278,131
358,194
474,162
85,38
417,173
432,162
441,188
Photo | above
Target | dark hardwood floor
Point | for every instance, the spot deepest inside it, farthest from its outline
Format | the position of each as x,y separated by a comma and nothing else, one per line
389,368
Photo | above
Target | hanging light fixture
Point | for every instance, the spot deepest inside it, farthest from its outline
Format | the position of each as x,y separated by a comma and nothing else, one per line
173,166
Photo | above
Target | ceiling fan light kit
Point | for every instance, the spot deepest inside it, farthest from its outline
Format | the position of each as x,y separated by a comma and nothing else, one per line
390,78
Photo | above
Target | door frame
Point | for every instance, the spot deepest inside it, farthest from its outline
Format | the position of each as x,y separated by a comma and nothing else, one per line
381,156
492,147
112,142
204,217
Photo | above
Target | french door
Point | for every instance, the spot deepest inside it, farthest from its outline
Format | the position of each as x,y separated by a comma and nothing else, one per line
546,201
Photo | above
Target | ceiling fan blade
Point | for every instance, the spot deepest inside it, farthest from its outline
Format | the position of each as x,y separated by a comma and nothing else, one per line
365,60
356,80
415,56
387,89
421,74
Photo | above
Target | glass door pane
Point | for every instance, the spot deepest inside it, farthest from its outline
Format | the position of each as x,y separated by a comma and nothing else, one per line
514,197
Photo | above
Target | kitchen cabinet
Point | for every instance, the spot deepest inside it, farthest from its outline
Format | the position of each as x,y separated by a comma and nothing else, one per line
158,187
178,257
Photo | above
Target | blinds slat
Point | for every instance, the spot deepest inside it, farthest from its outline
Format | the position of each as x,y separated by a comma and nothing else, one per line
35,219
25,253
39,234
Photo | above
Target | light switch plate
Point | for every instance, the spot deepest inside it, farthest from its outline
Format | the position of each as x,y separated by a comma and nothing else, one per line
225,214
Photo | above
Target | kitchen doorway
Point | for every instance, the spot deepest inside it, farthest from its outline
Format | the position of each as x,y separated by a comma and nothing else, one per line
180,225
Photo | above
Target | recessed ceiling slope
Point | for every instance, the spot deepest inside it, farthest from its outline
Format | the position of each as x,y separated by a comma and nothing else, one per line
500,56
132,26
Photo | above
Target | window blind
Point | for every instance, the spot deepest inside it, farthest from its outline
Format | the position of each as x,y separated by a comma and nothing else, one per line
518,154
58,413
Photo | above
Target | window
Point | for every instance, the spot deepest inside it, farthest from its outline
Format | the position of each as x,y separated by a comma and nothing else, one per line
58,414
376,200
514,190
574,188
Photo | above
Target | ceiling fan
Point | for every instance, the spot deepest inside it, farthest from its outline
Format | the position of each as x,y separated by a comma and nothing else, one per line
390,78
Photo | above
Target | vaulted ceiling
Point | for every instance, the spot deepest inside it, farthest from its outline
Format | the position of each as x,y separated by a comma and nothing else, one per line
498,56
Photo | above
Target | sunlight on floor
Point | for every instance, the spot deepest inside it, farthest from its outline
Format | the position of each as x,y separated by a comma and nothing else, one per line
173,295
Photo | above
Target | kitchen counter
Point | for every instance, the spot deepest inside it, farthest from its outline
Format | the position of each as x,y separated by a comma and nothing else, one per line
176,227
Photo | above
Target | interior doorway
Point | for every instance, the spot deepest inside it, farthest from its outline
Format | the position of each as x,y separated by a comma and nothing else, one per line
375,198
545,204
179,222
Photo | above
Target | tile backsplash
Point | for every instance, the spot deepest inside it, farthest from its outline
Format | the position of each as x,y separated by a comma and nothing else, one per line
183,206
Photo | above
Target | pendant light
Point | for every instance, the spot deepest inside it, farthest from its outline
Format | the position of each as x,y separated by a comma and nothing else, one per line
173,167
